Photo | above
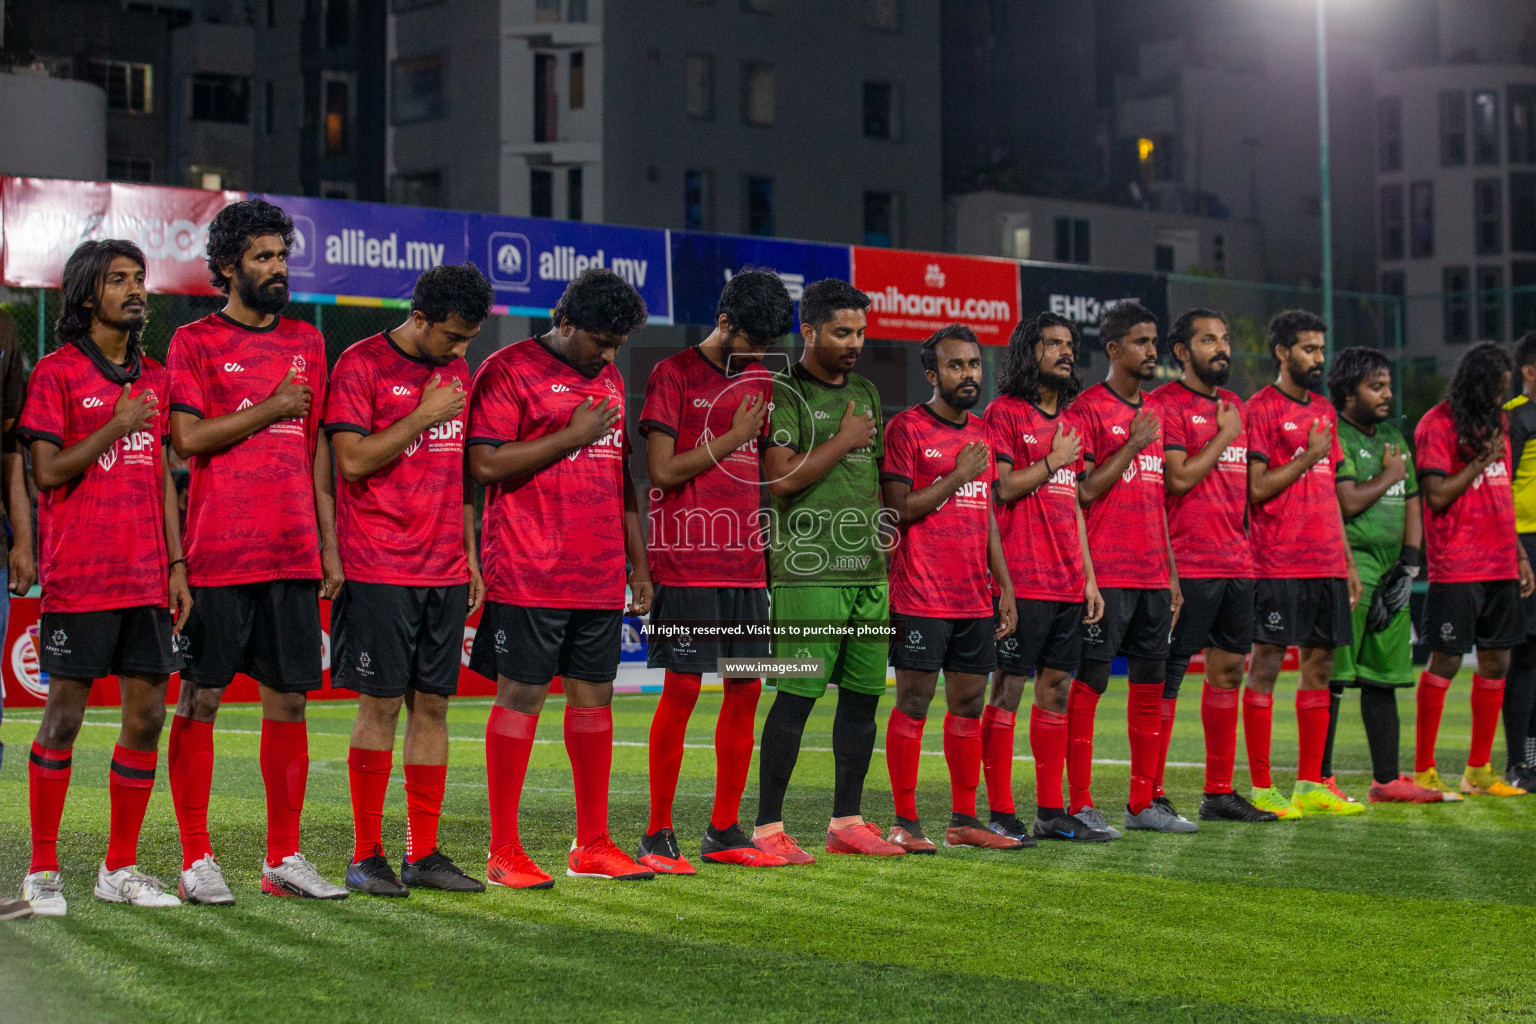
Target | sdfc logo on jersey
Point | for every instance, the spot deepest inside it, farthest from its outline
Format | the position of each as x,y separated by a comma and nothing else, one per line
933,453
559,388
401,390
92,403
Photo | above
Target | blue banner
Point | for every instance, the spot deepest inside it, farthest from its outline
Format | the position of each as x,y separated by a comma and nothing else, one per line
702,264
366,249
530,261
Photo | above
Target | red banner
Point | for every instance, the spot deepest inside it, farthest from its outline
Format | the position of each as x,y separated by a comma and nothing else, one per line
45,219
913,294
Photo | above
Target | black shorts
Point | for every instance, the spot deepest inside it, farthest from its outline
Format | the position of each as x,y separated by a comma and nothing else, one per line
1049,635
385,638
922,644
1216,613
268,630
122,641
533,645
1136,624
1457,615
706,606
1303,613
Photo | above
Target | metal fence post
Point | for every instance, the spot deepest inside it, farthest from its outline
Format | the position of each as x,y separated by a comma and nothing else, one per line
42,321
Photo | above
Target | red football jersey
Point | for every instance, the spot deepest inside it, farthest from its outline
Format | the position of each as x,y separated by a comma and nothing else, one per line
251,509
1206,523
939,567
101,537
1474,539
1039,531
707,532
555,538
403,524
1127,532
1298,534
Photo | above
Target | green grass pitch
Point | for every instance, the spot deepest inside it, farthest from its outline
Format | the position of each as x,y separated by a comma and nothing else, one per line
1407,913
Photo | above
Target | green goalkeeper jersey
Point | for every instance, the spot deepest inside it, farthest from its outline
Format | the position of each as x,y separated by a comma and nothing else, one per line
1375,535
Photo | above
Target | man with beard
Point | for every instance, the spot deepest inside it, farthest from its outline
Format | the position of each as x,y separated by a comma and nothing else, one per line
1306,574
1128,536
1379,496
1045,544
247,391
1206,477
1478,569
937,475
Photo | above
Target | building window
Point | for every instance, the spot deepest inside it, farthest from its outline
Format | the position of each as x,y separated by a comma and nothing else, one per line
271,13
1154,158
1389,133
573,195
1394,283
1522,211
757,94
576,11
1073,240
546,11
338,190
1522,124
884,15
541,193
698,200
338,115
759,206
417,92
882,111
1162,259
1485,127
129,86
1522,300
1421,219
699,85
578,80
882,219
546,98
1453,128
338,23
1219,251
221,98
269,106
1456,284
130,169
1490,303
1391,222
1488,216
421,189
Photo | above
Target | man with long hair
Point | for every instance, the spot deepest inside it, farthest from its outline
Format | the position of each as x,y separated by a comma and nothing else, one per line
1038,448
114,582
1478,569
248,390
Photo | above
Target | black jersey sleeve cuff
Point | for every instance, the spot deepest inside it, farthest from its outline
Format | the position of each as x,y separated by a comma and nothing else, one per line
494,442
646,426
346,428
1175,448
1340,478
30,434
1254,456
184,407
896,478
1425,471
1003,457
784,444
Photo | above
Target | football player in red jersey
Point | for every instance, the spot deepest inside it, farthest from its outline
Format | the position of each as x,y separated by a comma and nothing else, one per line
113,576
1478,569
1306,582
247,393
706,408
1128,535
406,523
1039,451
936,475
1206,447
547,440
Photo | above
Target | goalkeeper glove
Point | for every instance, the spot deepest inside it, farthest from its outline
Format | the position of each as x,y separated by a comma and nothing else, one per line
1393,592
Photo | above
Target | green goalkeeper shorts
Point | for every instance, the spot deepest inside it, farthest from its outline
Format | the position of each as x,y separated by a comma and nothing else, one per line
1381,659
855,661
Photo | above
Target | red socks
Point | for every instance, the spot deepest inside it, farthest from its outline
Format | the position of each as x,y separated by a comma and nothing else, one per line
1143,720
1218,716
997,757
1431,703
962,752
368,771
679,693
1258,725
190,761
1082,706
285,774
48,783
903,753
1170,708
1487,702
733,748
129,782
589,743
424,785
1311,733
1048,743
508,745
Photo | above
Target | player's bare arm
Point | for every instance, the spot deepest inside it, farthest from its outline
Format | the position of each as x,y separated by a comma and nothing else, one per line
1440,489
18,509
1182,471
1355,496
471,552
331,575
53,466
359,455
592,418
670,468
1175,593
911,506
181,594
1022,481
1145,427
791,472
1266,483
195,435
997,564
1093,601
640,587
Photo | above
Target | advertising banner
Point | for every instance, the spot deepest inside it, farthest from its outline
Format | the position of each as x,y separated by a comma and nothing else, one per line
529,261
1082,296
45,219
702,264
913,294
366,249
